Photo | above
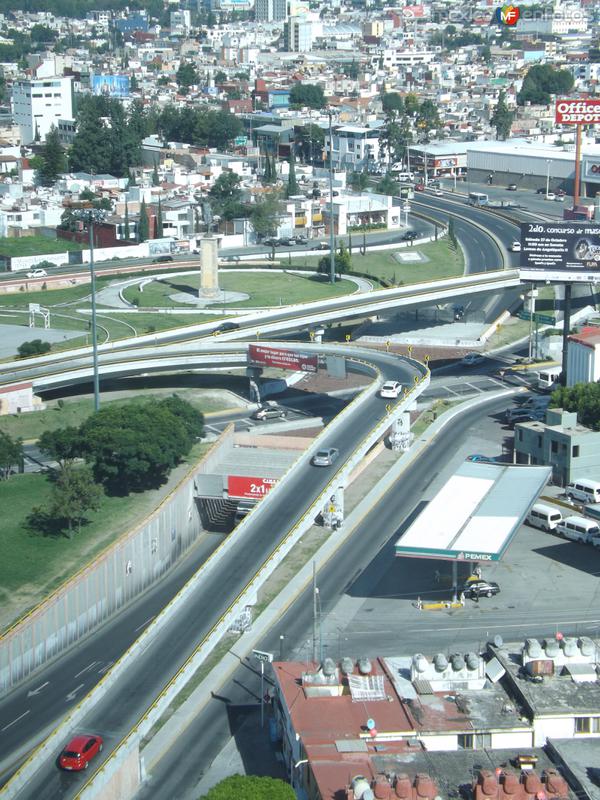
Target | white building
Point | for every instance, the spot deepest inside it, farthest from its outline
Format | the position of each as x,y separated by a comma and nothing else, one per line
354,147
584,357
270,10
298,35
39,104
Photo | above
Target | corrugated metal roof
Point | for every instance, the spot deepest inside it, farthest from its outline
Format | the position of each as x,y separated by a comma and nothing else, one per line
476,514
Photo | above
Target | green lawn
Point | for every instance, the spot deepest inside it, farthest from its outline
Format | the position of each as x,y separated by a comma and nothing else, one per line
264,289
442,262
33,565
36,245
76,410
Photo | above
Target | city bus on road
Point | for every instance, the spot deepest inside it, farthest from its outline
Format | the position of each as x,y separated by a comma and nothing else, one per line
478,199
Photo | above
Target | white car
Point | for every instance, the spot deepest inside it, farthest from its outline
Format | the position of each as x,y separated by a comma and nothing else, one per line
472,359
390,389
438,192
550,196
516,247
37,273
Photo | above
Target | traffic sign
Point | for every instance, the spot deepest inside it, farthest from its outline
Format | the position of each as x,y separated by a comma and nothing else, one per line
263,657
543,319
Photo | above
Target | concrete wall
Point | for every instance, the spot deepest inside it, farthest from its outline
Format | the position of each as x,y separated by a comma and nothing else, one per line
103,587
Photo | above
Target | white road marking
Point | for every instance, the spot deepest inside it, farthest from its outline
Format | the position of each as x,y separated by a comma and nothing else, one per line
527,621
71,695
143,625
38,690
86,669
106,668
6,727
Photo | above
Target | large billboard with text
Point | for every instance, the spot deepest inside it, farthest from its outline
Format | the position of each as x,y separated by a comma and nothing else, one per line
560,251
262,356
242,486
577,112
110,85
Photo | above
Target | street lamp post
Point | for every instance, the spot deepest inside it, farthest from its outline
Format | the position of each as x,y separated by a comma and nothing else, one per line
91,216
331,221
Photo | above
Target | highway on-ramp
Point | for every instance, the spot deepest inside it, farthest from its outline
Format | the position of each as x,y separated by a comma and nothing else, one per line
125,702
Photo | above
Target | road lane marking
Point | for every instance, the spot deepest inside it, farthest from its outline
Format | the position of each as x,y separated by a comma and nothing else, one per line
35,692
106,668
143,625
6,727
71,695
526,621
85,669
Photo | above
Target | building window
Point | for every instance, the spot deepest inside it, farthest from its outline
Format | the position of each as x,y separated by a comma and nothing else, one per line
520,435
554,447
465,741
583,724
575,451
539,441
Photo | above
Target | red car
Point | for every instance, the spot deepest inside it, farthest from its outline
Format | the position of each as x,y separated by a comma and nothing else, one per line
419,187
80,751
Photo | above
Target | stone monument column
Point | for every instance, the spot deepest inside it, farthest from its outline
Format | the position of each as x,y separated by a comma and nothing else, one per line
209,267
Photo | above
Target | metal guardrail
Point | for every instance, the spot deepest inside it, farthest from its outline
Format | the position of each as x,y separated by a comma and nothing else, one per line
51,743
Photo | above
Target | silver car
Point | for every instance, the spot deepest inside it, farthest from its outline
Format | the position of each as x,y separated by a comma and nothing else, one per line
326,457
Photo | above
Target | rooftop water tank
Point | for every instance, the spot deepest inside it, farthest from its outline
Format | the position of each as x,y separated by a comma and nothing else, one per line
359,786
533,648
328,667
458,662
440,662
472,661
364,666
420,663
347,666
586,646
569,646
551,647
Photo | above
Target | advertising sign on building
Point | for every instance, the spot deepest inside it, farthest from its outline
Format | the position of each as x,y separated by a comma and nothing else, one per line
445,163
259,355
241,486
110,85
592,169
560,251
577,112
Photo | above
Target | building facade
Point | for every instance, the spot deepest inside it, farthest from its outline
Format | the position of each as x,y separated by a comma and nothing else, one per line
270,10
39,104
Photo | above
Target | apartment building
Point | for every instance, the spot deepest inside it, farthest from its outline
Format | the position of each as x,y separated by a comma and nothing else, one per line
38,104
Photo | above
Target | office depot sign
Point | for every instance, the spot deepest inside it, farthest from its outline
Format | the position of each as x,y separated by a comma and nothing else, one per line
578,112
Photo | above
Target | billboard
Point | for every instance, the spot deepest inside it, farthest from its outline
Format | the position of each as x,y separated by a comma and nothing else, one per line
577,112
560,251
243,486
110,85
282,359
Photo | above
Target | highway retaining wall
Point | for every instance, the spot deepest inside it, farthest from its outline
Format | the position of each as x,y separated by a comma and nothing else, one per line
98,591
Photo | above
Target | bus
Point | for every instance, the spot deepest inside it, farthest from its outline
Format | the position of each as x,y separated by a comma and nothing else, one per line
478,199
406,191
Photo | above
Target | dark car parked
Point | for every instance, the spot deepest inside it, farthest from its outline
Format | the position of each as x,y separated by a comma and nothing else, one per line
480,588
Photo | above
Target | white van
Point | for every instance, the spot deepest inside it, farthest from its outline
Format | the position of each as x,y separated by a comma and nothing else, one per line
583,490
544,517
548,379
578,529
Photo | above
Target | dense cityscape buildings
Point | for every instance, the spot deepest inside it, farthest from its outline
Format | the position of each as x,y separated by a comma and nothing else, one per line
327,225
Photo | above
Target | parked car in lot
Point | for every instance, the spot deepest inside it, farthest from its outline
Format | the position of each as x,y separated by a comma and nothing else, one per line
37,273
270,241
472,359
325,457
390,389
79,752
269,411
578,529
544,517
480,588
583,490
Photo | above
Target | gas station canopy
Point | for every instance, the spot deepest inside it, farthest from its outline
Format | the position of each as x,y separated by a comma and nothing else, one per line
475,516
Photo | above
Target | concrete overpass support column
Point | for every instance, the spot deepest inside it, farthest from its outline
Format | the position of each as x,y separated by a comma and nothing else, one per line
400,435
333,513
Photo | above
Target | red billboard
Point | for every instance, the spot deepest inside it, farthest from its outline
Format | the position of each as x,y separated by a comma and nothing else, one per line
263,356
243,486
577,112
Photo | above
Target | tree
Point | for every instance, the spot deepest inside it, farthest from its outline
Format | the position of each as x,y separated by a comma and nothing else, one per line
33,348
311,139
292,187
358,181
11,453
387,185
486,54
396,135
227,195
73,494
265,215
53,158
132,447
192,419
541,82
268,173
63,445
342,262
186,76
584,398
155,178
428,117
158,231
307,94
250,787
126,227
502,118
392,102
144,223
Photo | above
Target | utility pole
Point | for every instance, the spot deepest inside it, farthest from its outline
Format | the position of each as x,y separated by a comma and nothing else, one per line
331,218
315,612
94,327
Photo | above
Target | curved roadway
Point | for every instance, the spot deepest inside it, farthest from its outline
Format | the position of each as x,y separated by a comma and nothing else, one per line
66,680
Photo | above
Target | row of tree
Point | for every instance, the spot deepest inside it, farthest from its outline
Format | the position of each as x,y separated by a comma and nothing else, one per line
584,398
